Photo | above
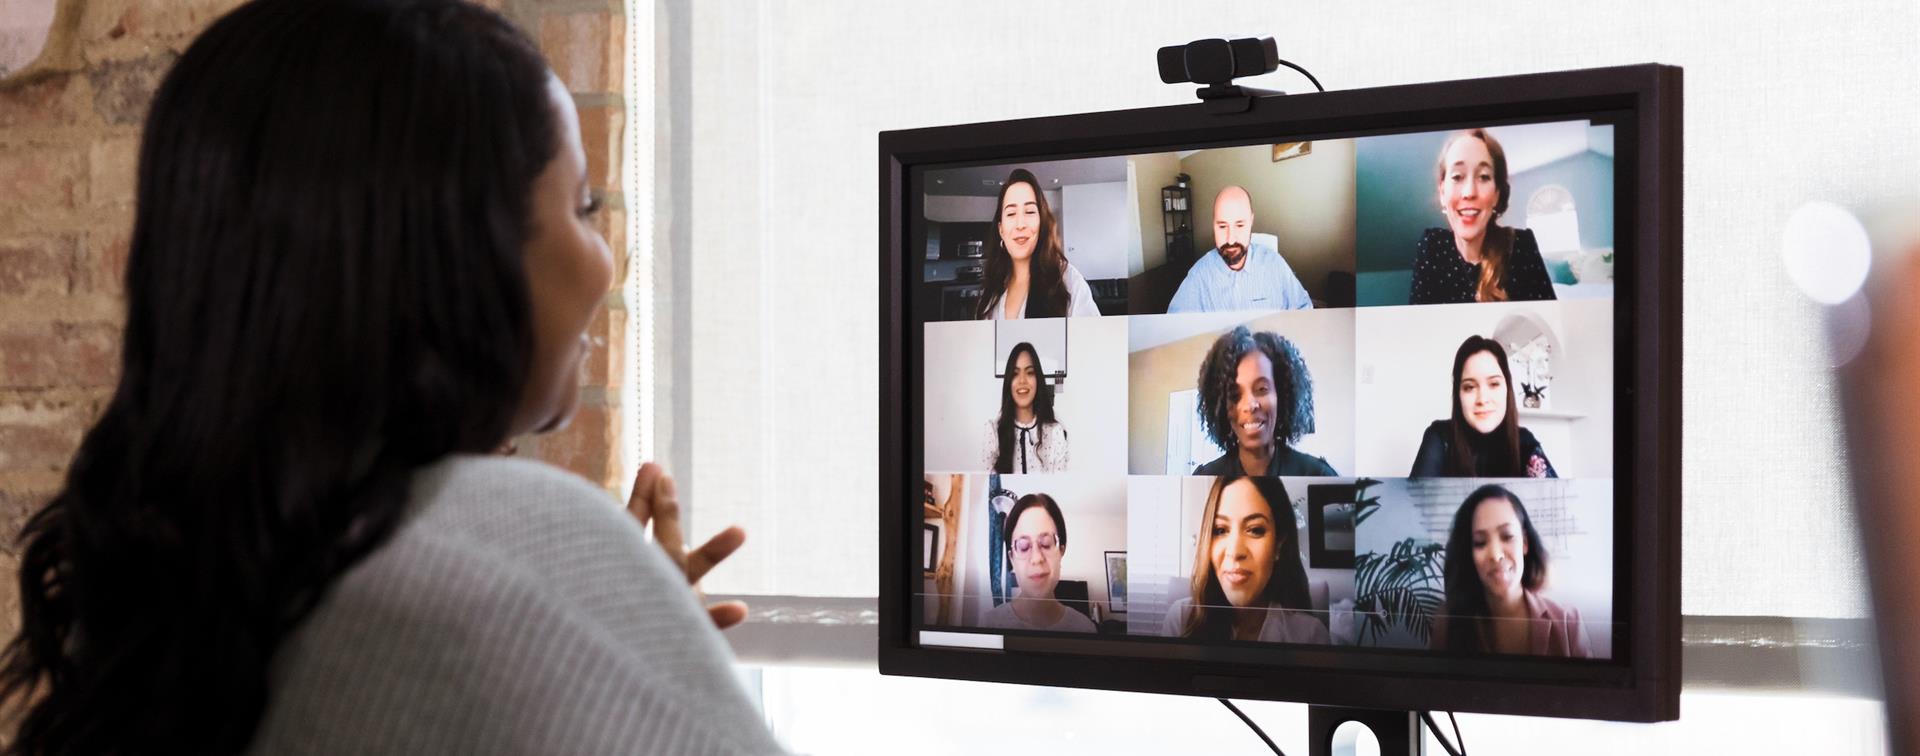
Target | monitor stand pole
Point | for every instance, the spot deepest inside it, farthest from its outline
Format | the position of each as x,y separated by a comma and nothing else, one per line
1398,731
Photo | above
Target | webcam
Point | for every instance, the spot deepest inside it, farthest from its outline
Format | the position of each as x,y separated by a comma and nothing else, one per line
1214,62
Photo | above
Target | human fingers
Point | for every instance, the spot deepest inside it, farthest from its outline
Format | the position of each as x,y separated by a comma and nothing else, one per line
715,550
726,614
666,521
640,502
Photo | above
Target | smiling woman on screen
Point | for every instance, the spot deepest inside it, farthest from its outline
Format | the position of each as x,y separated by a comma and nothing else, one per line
1248,583
1483,439
1027,274
1475,259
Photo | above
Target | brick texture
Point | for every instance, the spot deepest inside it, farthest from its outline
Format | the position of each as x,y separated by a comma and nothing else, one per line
69,141
37,266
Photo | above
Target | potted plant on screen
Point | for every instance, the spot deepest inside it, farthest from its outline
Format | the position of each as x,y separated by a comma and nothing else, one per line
1402,588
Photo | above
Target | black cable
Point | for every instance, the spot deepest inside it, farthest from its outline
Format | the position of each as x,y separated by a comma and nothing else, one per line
1256,728
1457,739
1303,72
1427,717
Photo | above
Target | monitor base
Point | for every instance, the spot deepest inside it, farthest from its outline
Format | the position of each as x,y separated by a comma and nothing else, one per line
1397,731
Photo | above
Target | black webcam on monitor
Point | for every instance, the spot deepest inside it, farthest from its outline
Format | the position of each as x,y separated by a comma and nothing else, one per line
1218,61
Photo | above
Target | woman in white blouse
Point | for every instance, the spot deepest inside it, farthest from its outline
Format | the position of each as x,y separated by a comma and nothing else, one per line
1027,274
1025,438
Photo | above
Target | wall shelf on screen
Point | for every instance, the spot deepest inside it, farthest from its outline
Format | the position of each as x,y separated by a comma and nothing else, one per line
1552,414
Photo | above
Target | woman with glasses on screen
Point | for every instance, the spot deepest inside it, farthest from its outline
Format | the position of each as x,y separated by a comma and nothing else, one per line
1256,400
363,258
1248,583
1025,438
1483,439
1495,566
1035,541
1475,259
1027,274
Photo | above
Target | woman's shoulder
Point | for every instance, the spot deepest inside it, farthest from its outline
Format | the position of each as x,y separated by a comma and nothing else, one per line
1437,430
491,498
1177,612
1301,627
1074,621
1525,242
1217,467
1002,617
1299,463
1554,610
502,566
1072,276
1434,242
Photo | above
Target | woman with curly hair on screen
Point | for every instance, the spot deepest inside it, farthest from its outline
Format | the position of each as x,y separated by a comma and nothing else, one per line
1256,400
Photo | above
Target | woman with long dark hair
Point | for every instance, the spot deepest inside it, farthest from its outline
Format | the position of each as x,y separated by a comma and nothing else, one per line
1256,400
362,259
1248,582
1495,567
1025,437
1483,438
1475,259
1027,274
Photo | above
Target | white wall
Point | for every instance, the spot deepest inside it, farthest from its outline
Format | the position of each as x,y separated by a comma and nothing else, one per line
1097,239
1405,367
781,167
950,208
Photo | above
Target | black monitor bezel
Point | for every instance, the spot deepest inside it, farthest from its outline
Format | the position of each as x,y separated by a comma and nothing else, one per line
1646,101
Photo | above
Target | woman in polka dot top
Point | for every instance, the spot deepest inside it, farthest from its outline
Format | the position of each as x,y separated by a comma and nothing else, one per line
1475,259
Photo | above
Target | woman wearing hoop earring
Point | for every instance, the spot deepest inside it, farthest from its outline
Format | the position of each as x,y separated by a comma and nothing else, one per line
1027,274
1475,259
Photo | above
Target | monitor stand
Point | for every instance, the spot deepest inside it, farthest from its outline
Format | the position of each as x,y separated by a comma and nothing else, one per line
1398,731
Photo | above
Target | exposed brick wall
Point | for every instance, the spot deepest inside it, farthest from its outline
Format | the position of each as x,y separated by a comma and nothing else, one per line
69,136
585,42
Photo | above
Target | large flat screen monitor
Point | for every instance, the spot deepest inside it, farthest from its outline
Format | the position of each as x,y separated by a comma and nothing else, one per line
1364,398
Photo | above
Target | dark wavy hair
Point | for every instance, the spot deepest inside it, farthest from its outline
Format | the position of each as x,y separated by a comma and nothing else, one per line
1286,588
1466,603
1219,391
325,292
1504,444
1003,426
1497,247
1047,295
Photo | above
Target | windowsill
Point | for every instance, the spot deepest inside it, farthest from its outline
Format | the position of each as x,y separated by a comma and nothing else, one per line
1746,654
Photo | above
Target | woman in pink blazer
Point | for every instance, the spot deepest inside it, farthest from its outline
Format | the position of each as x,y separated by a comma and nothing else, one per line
1495,566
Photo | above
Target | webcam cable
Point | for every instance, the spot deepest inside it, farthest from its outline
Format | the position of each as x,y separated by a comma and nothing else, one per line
1304,72
1256,728
1448,746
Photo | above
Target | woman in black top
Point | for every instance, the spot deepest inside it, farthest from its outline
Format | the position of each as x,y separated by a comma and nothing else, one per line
1475,259
1483,439
1256,399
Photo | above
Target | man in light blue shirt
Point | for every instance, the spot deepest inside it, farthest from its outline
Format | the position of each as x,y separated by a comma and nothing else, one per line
1241,272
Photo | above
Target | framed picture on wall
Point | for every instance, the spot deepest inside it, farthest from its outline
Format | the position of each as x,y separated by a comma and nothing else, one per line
1117,582
1330,509
929,546
1285,150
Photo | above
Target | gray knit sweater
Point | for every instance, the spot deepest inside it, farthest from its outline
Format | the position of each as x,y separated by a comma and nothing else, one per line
517,609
